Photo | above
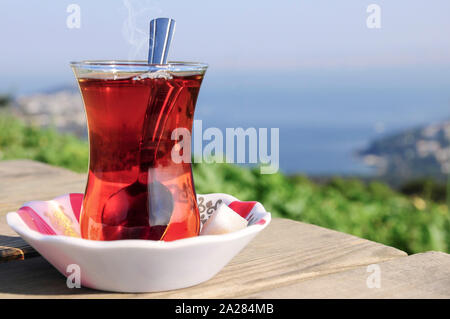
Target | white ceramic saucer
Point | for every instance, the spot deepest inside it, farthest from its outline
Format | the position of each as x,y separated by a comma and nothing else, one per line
52,228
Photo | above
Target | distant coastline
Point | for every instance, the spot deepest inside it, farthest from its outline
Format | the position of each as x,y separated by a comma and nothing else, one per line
415,153
350,142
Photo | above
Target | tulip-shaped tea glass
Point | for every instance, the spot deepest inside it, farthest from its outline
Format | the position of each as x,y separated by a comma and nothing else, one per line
135,190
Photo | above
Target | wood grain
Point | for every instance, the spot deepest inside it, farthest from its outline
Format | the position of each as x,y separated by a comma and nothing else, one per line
425,275
24,180
12,248
284,253
287,260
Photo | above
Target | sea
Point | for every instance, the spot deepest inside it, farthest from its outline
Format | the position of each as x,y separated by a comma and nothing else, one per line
324,116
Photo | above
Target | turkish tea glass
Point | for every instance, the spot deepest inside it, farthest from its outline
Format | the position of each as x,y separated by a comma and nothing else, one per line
135,190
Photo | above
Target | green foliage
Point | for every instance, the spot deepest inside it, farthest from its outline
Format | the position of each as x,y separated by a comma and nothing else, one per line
374,211
18,140
426,188
5,100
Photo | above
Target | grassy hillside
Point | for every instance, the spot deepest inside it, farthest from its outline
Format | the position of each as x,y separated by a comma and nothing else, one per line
18,140
373,211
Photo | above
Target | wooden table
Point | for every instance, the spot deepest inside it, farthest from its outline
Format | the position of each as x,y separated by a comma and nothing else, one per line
287,260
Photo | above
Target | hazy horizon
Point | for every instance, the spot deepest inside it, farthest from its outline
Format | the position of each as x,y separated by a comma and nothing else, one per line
312,68
233,35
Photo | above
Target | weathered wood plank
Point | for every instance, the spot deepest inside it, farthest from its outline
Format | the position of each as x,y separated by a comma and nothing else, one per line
12,248
24,180
425,275
284,253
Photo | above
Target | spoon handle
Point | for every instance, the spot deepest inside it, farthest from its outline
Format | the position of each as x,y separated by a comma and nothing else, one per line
161,32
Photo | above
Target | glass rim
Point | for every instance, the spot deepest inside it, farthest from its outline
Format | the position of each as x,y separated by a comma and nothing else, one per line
138,65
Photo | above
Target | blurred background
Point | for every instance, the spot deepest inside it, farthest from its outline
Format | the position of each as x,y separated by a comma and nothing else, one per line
364,113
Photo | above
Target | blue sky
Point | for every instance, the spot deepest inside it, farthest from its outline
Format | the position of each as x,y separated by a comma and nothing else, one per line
260,35
310,67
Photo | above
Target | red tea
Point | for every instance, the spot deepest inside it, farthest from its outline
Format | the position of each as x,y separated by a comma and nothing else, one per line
134,189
